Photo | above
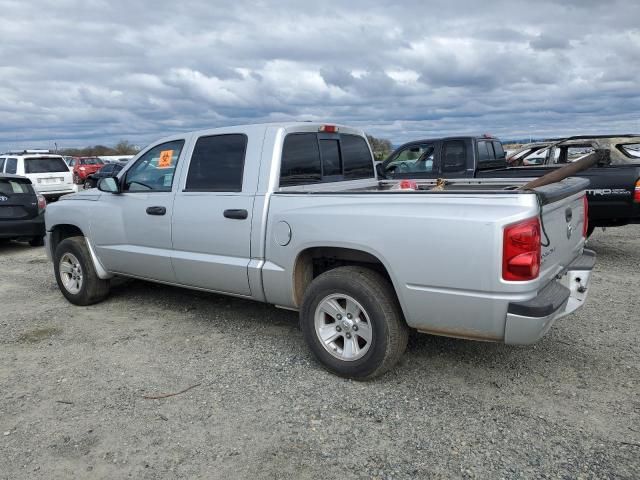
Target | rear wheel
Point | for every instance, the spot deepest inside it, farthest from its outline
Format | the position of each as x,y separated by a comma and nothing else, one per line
590,230
76,179
76,275
351,320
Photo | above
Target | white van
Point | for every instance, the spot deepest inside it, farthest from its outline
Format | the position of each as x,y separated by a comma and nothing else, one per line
48,173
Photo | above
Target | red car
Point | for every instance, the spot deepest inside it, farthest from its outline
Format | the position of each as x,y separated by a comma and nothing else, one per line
84,166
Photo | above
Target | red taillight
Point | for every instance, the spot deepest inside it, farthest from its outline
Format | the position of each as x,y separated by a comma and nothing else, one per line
328,129
636,192
42,203
521,251
585,225
408,185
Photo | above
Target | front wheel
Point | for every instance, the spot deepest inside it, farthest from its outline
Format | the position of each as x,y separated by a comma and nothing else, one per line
352,322
75,273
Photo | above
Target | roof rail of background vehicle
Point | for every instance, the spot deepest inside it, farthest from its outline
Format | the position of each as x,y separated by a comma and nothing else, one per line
588,137
484,136
26,151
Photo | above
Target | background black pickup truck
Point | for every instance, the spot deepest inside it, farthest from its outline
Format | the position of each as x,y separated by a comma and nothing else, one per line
614,191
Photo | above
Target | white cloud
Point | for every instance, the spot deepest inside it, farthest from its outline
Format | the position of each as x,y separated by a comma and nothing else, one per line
87,72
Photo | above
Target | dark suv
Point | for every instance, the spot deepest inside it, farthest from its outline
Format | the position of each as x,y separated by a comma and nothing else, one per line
21,210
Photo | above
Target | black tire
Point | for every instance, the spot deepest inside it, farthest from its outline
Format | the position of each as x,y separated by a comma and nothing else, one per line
590,230
76,179
93,289
36,241
376,295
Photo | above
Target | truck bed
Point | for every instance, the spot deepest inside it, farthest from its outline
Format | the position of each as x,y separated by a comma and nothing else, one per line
486,186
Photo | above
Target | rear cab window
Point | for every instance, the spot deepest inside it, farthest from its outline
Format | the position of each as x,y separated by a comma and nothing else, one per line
309,158
1,164
44,165
491,154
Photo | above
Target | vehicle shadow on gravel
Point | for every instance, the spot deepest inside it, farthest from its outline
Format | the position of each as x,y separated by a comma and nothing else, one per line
14,247
202,304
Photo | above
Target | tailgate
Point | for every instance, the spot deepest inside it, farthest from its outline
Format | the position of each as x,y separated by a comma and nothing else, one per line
17,200
562,219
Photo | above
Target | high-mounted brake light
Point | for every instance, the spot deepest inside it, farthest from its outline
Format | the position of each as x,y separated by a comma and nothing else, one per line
328,129
636,192
585,224
521,251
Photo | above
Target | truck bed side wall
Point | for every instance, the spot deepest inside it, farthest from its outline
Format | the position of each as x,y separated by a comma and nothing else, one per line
436,245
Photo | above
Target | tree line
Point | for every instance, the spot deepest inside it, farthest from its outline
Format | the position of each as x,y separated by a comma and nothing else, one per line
123,147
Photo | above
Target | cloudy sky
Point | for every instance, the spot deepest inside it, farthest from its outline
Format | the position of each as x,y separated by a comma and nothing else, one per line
87,72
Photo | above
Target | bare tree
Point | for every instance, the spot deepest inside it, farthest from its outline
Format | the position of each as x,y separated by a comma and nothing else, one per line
381,147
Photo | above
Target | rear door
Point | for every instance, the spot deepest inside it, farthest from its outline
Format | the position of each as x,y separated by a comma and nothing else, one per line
131,231
47,174
454,162
17,200
211,226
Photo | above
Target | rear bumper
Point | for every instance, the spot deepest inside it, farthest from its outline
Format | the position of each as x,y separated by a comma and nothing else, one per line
528,321
56,193
22,228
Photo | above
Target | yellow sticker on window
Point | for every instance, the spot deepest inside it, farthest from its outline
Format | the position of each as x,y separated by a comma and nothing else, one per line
166,159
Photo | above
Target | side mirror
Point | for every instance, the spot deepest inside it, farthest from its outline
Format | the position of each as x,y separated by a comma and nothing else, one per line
109,185
380,170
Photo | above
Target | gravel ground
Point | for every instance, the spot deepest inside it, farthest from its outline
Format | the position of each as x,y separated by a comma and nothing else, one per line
72,381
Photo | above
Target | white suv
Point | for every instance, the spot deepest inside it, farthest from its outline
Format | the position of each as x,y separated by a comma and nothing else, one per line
48,173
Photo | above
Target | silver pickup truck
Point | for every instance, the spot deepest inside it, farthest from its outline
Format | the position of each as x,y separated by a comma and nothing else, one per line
293,214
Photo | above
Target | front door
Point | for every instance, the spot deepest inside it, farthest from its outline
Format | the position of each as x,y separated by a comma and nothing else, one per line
413,161
212,215
131,231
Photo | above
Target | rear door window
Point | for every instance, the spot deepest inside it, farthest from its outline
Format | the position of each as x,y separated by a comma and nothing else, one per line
574,153
217,164
12,165
45,165
454,156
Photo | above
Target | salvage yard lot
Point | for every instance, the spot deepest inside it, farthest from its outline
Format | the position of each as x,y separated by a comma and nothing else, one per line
72,381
